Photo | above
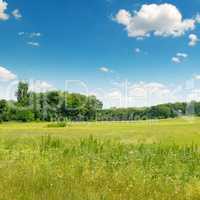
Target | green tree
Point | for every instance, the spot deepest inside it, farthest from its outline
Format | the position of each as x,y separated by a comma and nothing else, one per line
25,115
160,112
22,94
3,111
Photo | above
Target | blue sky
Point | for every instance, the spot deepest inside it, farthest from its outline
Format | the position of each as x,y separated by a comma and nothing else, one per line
104,44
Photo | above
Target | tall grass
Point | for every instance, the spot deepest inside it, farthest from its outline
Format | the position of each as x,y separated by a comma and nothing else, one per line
93,169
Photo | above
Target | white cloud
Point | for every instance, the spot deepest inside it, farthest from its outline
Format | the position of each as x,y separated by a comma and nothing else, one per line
137,50
123,17
41,86
193,40
30,35
34,44
180,57
30,38
6,75
16,14
3,8
21,33
105,69
176,60
35,34
183,55
161,20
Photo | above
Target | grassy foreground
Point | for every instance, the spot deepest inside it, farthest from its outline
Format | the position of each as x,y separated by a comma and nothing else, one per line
96,161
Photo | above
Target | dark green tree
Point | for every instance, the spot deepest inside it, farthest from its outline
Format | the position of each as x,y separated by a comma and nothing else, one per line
4,116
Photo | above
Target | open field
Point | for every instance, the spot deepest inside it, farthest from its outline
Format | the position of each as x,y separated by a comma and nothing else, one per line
97,161
179,131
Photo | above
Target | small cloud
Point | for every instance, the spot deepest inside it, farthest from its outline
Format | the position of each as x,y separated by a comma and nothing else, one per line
6,75
21,33
176,60
16,14
35,34
105,69
34,44
137,50
3,8
27,36
30,35
193,40
139,38
180,57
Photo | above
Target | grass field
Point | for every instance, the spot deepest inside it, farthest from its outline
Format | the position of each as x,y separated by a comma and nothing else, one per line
100,161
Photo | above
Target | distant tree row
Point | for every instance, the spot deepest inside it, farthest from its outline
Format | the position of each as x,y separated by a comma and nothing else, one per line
164,111
49,106
61,106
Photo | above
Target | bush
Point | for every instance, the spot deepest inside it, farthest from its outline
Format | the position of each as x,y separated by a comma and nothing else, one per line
57,125
25,115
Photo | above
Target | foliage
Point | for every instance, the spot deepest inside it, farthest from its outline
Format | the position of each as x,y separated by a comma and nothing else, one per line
48,106
22,94
3,111
57,106
163,111
24,115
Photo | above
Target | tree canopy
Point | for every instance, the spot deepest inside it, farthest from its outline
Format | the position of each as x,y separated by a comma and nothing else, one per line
60,106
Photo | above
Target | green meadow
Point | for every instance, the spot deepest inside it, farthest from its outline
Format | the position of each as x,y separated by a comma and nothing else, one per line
158,159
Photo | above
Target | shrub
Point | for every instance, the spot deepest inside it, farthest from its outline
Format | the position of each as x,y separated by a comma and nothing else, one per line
57,125
25,115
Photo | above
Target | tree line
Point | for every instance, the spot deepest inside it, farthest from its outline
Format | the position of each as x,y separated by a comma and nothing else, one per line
48,106
62,106
163,111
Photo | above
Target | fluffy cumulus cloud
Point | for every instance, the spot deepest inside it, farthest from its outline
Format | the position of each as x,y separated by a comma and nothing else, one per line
193,40
6,75
159,19
16,14
3,8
